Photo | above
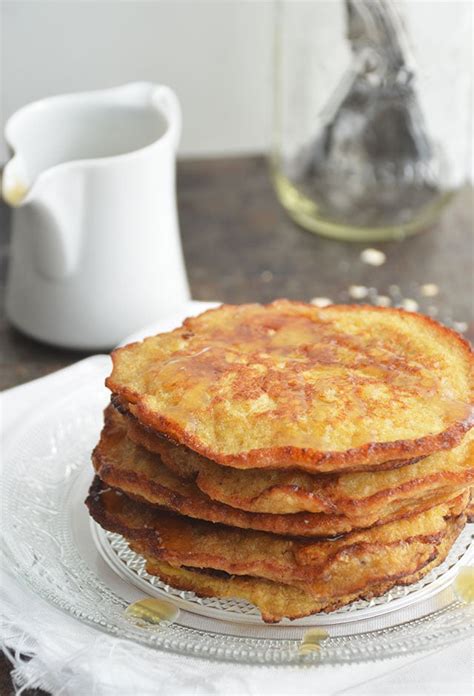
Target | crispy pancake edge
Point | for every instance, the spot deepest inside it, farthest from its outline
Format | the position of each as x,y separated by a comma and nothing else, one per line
193,503
261,593
154,442
438,483
277,601
354,559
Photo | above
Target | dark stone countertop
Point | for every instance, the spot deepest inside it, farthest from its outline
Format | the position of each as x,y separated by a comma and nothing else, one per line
240,246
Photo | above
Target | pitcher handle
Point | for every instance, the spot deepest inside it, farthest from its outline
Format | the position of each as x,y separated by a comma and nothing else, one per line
166,101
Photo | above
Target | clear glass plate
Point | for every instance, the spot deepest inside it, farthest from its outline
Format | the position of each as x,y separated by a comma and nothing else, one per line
49,542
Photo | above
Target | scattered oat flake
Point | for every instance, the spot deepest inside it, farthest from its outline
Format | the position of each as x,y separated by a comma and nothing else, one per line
429,290
460,326
383,301
321,301
266,276
409,304
358,292
374,257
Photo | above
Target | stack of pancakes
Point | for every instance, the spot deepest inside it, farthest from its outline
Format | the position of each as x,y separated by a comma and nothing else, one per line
293,456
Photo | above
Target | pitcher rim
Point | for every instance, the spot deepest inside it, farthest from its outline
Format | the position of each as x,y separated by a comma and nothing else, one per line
93,162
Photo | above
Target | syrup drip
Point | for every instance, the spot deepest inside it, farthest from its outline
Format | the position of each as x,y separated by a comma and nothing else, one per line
464,585
153,611
312,641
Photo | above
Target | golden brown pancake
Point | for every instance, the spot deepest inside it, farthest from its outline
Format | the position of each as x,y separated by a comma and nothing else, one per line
275,600
352,494
323,568
290,385
126,466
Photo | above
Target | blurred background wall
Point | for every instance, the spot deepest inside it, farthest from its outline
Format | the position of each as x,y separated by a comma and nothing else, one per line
216,54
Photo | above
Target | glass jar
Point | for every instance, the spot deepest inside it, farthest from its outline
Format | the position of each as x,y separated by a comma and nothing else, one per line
372,114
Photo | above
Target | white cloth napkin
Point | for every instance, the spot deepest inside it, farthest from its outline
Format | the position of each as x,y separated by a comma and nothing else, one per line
63,656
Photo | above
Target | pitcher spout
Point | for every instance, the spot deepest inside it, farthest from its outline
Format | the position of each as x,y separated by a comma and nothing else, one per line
50,209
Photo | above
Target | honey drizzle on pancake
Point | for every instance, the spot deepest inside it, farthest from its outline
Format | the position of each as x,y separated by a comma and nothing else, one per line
153,611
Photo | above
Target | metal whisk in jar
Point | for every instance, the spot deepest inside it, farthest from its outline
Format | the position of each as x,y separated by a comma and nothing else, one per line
372,122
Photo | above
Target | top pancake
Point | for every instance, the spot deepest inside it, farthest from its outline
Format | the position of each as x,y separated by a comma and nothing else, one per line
290,385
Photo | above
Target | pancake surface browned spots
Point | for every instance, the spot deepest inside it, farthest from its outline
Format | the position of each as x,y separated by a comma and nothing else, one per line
291,385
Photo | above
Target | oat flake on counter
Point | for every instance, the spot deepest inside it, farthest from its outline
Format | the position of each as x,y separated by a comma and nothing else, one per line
321,301
429,290
373,257
358,292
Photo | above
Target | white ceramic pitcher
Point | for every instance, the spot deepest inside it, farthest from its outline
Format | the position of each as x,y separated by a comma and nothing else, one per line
95,250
